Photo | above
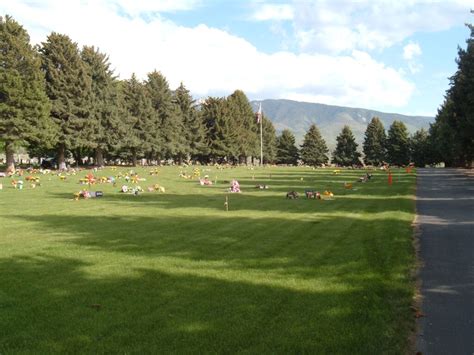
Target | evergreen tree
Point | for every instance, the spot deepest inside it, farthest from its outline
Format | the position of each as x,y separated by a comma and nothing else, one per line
139,119
243,120
461,95
444,143
69,89
346,153
398,144
170,124
420,148
375,143
222,137
193,126
103,121
269,141
314,149
287,153
24,106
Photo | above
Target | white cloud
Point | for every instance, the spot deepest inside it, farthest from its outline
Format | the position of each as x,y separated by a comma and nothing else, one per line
267,12
344,25
213,62
136,7
411,50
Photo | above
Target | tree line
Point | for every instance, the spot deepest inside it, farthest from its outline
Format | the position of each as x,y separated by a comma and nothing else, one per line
59,100
450,138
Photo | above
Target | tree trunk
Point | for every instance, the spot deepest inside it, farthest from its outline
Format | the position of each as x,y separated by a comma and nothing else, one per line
99,157
77,157
62,157
9,152
134,157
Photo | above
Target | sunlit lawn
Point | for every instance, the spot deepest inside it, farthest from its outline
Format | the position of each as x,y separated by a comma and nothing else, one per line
175,272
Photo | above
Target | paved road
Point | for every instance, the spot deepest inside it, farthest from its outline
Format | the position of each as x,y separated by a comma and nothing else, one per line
445,204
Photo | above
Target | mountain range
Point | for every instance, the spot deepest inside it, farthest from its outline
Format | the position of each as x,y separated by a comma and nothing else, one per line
298,116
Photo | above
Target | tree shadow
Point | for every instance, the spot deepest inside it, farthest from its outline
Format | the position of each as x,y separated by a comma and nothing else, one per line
357,200
62,305
285,248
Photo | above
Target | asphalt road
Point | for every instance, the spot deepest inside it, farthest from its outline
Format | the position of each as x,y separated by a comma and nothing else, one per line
445,207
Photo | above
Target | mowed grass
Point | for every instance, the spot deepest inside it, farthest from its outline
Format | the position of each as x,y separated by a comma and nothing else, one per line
176,273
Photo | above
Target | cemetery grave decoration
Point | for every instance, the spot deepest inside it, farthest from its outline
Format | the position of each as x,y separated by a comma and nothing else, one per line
291,195
312,194
234,186
17,184
365,178
156,187
154,172
85,194
32,178
205,181
184,175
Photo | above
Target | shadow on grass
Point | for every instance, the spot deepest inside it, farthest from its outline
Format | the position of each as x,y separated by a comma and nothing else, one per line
56,305
352,201
285,248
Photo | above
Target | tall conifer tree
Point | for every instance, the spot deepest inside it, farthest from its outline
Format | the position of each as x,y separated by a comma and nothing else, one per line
169,124
103,116
287,153
375,143
222,137
242,118
24,106
139,119
269,141
420,148
398,144
461,95
346,153
193,126
314,150
69,88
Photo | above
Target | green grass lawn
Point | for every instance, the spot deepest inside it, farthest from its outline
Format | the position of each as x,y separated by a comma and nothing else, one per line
176,273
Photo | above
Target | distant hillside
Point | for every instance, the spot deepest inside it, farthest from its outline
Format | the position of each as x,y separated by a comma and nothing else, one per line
298,116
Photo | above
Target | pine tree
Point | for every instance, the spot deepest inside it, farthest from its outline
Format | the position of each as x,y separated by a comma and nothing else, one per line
24,106
287,153
420,148
243,119
314,150
269,141
398,144
375,143
170,124
69,89
346,153
193,126
461,95
222,136
139,119
103,121
444,143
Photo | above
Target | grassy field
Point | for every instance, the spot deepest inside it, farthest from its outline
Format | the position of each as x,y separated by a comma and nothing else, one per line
176,273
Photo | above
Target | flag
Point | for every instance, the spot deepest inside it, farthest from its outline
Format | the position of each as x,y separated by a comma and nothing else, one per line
258,115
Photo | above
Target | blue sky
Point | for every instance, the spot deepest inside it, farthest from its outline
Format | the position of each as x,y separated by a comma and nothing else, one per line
384,55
